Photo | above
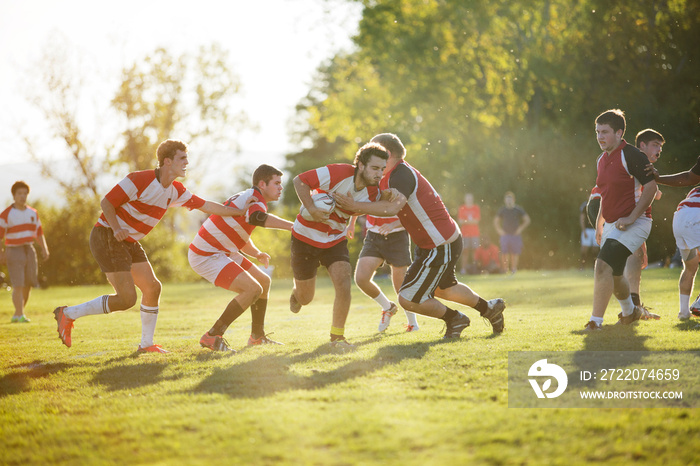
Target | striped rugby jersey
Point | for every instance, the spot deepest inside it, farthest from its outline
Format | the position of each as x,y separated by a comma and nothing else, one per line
228,234
19,227
334,178
141,201
424,216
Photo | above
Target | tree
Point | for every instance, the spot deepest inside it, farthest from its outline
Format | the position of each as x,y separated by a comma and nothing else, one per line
496,96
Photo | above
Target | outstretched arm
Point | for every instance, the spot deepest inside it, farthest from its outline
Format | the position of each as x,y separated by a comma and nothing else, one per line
214,208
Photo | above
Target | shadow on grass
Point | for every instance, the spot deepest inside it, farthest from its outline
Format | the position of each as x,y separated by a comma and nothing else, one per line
130,376
688,325
270,374
613,338
19,381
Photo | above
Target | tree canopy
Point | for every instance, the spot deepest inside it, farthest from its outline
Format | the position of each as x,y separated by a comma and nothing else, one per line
502,95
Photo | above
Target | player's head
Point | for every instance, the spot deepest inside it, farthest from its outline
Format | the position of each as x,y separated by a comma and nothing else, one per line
168,149
392,143
650,142
19,185
370,162
20,191
610,128
469,199
509,199
268,180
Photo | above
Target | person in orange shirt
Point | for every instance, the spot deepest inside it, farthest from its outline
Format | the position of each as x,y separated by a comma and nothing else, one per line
486,256
21,228
468,218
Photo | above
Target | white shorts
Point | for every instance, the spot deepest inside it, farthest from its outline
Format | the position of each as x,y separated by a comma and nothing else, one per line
219,269
588,238
686,229
633,237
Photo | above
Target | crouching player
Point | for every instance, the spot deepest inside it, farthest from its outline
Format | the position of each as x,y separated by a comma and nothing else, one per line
215,254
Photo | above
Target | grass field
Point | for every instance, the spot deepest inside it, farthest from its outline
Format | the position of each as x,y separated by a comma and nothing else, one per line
409,399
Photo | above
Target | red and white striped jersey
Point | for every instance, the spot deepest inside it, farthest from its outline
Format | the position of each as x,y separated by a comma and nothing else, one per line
19,227
691,200
141,201
334,178
228,234
424,216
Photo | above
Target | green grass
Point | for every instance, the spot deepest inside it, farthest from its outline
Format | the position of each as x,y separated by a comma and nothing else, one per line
399,399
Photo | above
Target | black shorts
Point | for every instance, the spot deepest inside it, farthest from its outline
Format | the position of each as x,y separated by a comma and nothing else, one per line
113,255
307,258
394,248
431,268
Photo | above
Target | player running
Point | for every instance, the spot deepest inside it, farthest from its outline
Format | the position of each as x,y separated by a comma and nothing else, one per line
425,217
323,241
622,225
216,255
129,212
386,241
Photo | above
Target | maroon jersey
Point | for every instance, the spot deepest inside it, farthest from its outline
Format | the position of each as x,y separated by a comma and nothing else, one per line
424,216
620,179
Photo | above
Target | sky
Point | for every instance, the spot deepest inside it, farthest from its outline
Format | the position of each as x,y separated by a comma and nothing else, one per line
275,47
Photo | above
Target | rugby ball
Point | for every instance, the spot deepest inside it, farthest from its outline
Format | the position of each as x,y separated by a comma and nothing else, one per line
323,201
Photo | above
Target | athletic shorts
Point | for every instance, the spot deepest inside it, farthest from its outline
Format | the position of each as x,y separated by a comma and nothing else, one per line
112,255
22,265
219,269
307,258
470,242
633,237
431,268
588,238
686,230
394,248
511,244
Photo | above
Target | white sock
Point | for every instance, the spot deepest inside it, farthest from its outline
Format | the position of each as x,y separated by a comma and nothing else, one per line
383,301
597,320
411,318
149,316
627,306
685,304
90,308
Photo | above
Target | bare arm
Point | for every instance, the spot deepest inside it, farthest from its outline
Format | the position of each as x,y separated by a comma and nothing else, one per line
303,191
525,224
644,202
686,178
110,214
382,208
497,225
41,241
278,223
212,207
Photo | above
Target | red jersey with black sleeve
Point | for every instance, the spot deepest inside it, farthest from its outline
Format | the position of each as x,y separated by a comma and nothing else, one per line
140,201
424,216
334,178
620,179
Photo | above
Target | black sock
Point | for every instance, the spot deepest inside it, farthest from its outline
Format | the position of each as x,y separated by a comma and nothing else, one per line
635,299
231,313
482,306
449,315
257,310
